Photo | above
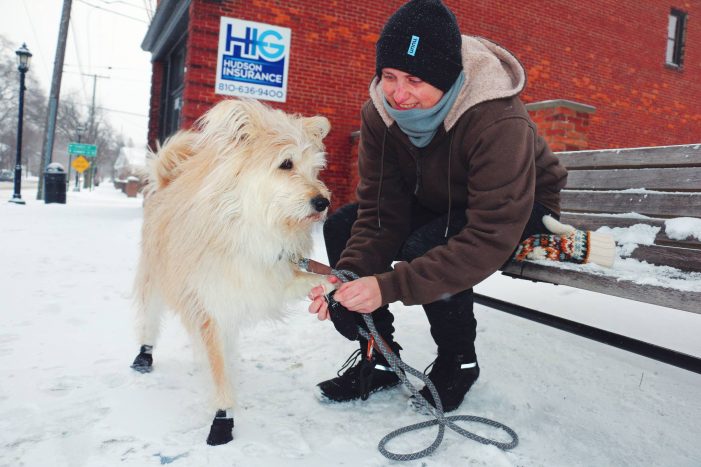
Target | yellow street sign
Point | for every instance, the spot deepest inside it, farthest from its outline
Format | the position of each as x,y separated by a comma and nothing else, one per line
80,164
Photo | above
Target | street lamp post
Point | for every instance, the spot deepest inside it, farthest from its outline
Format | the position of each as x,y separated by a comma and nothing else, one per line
23,56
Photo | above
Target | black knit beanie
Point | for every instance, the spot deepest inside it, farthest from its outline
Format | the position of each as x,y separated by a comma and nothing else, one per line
422,38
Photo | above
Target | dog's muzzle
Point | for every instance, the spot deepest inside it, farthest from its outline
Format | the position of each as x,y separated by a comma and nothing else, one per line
320,203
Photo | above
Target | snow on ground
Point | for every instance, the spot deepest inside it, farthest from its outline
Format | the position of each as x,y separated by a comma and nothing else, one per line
69,398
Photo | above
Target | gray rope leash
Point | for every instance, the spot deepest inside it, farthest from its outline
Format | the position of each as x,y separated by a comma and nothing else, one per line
437,412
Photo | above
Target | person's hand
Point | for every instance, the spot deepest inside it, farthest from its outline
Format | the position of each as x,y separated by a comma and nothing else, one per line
318,298
361,295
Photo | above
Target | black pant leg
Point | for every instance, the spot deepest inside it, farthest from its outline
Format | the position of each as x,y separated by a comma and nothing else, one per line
452,320
337,231
453,324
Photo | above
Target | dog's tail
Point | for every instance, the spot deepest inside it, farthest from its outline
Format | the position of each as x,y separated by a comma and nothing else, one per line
166,162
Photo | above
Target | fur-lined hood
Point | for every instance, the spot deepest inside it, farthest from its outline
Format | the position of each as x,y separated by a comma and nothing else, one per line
491,72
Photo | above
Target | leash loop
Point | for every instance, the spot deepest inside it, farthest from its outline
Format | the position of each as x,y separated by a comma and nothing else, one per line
440,419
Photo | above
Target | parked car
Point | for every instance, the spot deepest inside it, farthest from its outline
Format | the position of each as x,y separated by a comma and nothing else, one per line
6,176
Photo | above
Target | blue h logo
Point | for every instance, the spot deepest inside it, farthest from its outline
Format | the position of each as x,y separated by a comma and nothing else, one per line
413,45
254,45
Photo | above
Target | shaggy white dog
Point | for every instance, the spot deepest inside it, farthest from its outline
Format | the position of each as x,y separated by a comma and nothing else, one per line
229,210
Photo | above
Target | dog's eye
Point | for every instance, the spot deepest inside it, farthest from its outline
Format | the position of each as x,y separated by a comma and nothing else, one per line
286,164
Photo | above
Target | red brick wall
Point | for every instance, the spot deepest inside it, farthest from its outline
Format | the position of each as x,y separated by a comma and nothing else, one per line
607,54
604,53
155,103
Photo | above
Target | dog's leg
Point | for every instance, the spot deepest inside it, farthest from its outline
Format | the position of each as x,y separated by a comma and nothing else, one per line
223,424
149,312
304,282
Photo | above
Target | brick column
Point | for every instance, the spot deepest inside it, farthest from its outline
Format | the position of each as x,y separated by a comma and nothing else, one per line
563,124
155,108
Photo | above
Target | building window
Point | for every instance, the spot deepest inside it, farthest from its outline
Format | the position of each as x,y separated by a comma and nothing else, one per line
172,91
676,32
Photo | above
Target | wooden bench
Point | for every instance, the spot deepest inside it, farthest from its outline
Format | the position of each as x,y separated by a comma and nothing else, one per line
615,188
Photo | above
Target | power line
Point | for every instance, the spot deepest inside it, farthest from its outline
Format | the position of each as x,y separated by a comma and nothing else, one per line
126,80
123,112
80,61
149,9
126,112
113,12
113,2
36,37
110,67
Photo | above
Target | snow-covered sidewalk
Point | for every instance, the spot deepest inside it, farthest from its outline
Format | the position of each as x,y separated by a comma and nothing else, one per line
69,398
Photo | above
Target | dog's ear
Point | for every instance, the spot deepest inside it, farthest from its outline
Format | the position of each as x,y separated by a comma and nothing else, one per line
230,121
316,128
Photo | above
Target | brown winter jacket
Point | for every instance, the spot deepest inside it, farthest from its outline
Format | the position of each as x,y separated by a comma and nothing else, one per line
497,166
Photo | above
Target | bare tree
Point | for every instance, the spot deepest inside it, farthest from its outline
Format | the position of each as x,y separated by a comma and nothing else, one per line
71,115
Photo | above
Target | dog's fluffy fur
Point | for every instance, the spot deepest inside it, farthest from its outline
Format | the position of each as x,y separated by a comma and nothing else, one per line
229,210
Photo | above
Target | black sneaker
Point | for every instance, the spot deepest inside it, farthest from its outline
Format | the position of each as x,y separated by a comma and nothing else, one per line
360,380
453,377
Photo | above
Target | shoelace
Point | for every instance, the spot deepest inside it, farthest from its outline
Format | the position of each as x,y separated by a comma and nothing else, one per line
363,370
349,362
430,365
440,368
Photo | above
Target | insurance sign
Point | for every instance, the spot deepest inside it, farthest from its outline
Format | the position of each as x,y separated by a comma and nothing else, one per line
253,59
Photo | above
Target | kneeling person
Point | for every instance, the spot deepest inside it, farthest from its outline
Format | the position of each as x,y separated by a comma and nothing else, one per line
452,176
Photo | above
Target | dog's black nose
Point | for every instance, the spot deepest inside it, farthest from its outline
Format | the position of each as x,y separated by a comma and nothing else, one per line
320,203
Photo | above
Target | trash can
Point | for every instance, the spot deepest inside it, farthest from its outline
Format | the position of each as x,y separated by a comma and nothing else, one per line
55,184
133,187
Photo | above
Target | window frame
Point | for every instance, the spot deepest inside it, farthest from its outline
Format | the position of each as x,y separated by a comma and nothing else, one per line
677,40
172,86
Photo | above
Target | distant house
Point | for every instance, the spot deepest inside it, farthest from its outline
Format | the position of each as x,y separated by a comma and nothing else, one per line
130,170
131,162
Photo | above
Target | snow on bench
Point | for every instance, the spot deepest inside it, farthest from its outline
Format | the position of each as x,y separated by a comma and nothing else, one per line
649,199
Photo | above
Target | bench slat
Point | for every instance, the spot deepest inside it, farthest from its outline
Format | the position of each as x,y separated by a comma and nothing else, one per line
588,222
685,259
680,300
663,205
666,156
673,179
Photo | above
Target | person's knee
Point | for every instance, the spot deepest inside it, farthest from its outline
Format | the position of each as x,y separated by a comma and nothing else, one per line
337,230
414,247
340,222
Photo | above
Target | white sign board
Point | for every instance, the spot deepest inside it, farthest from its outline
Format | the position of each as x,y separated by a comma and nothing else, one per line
253,59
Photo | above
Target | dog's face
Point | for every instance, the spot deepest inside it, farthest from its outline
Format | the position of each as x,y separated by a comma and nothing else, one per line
290,165
270,162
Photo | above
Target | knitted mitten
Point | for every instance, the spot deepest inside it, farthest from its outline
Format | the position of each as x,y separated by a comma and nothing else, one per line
566,243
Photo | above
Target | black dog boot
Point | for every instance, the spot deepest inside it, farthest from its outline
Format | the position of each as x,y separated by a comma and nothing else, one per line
143,363
221,430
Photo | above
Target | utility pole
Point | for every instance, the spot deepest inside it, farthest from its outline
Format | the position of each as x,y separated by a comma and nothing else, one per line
50,127
92,132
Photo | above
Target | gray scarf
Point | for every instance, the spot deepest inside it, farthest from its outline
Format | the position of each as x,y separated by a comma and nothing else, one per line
420,125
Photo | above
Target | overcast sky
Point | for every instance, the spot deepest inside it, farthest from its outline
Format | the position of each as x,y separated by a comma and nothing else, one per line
104,39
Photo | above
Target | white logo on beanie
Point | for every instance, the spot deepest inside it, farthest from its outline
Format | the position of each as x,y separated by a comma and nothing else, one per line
413,45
